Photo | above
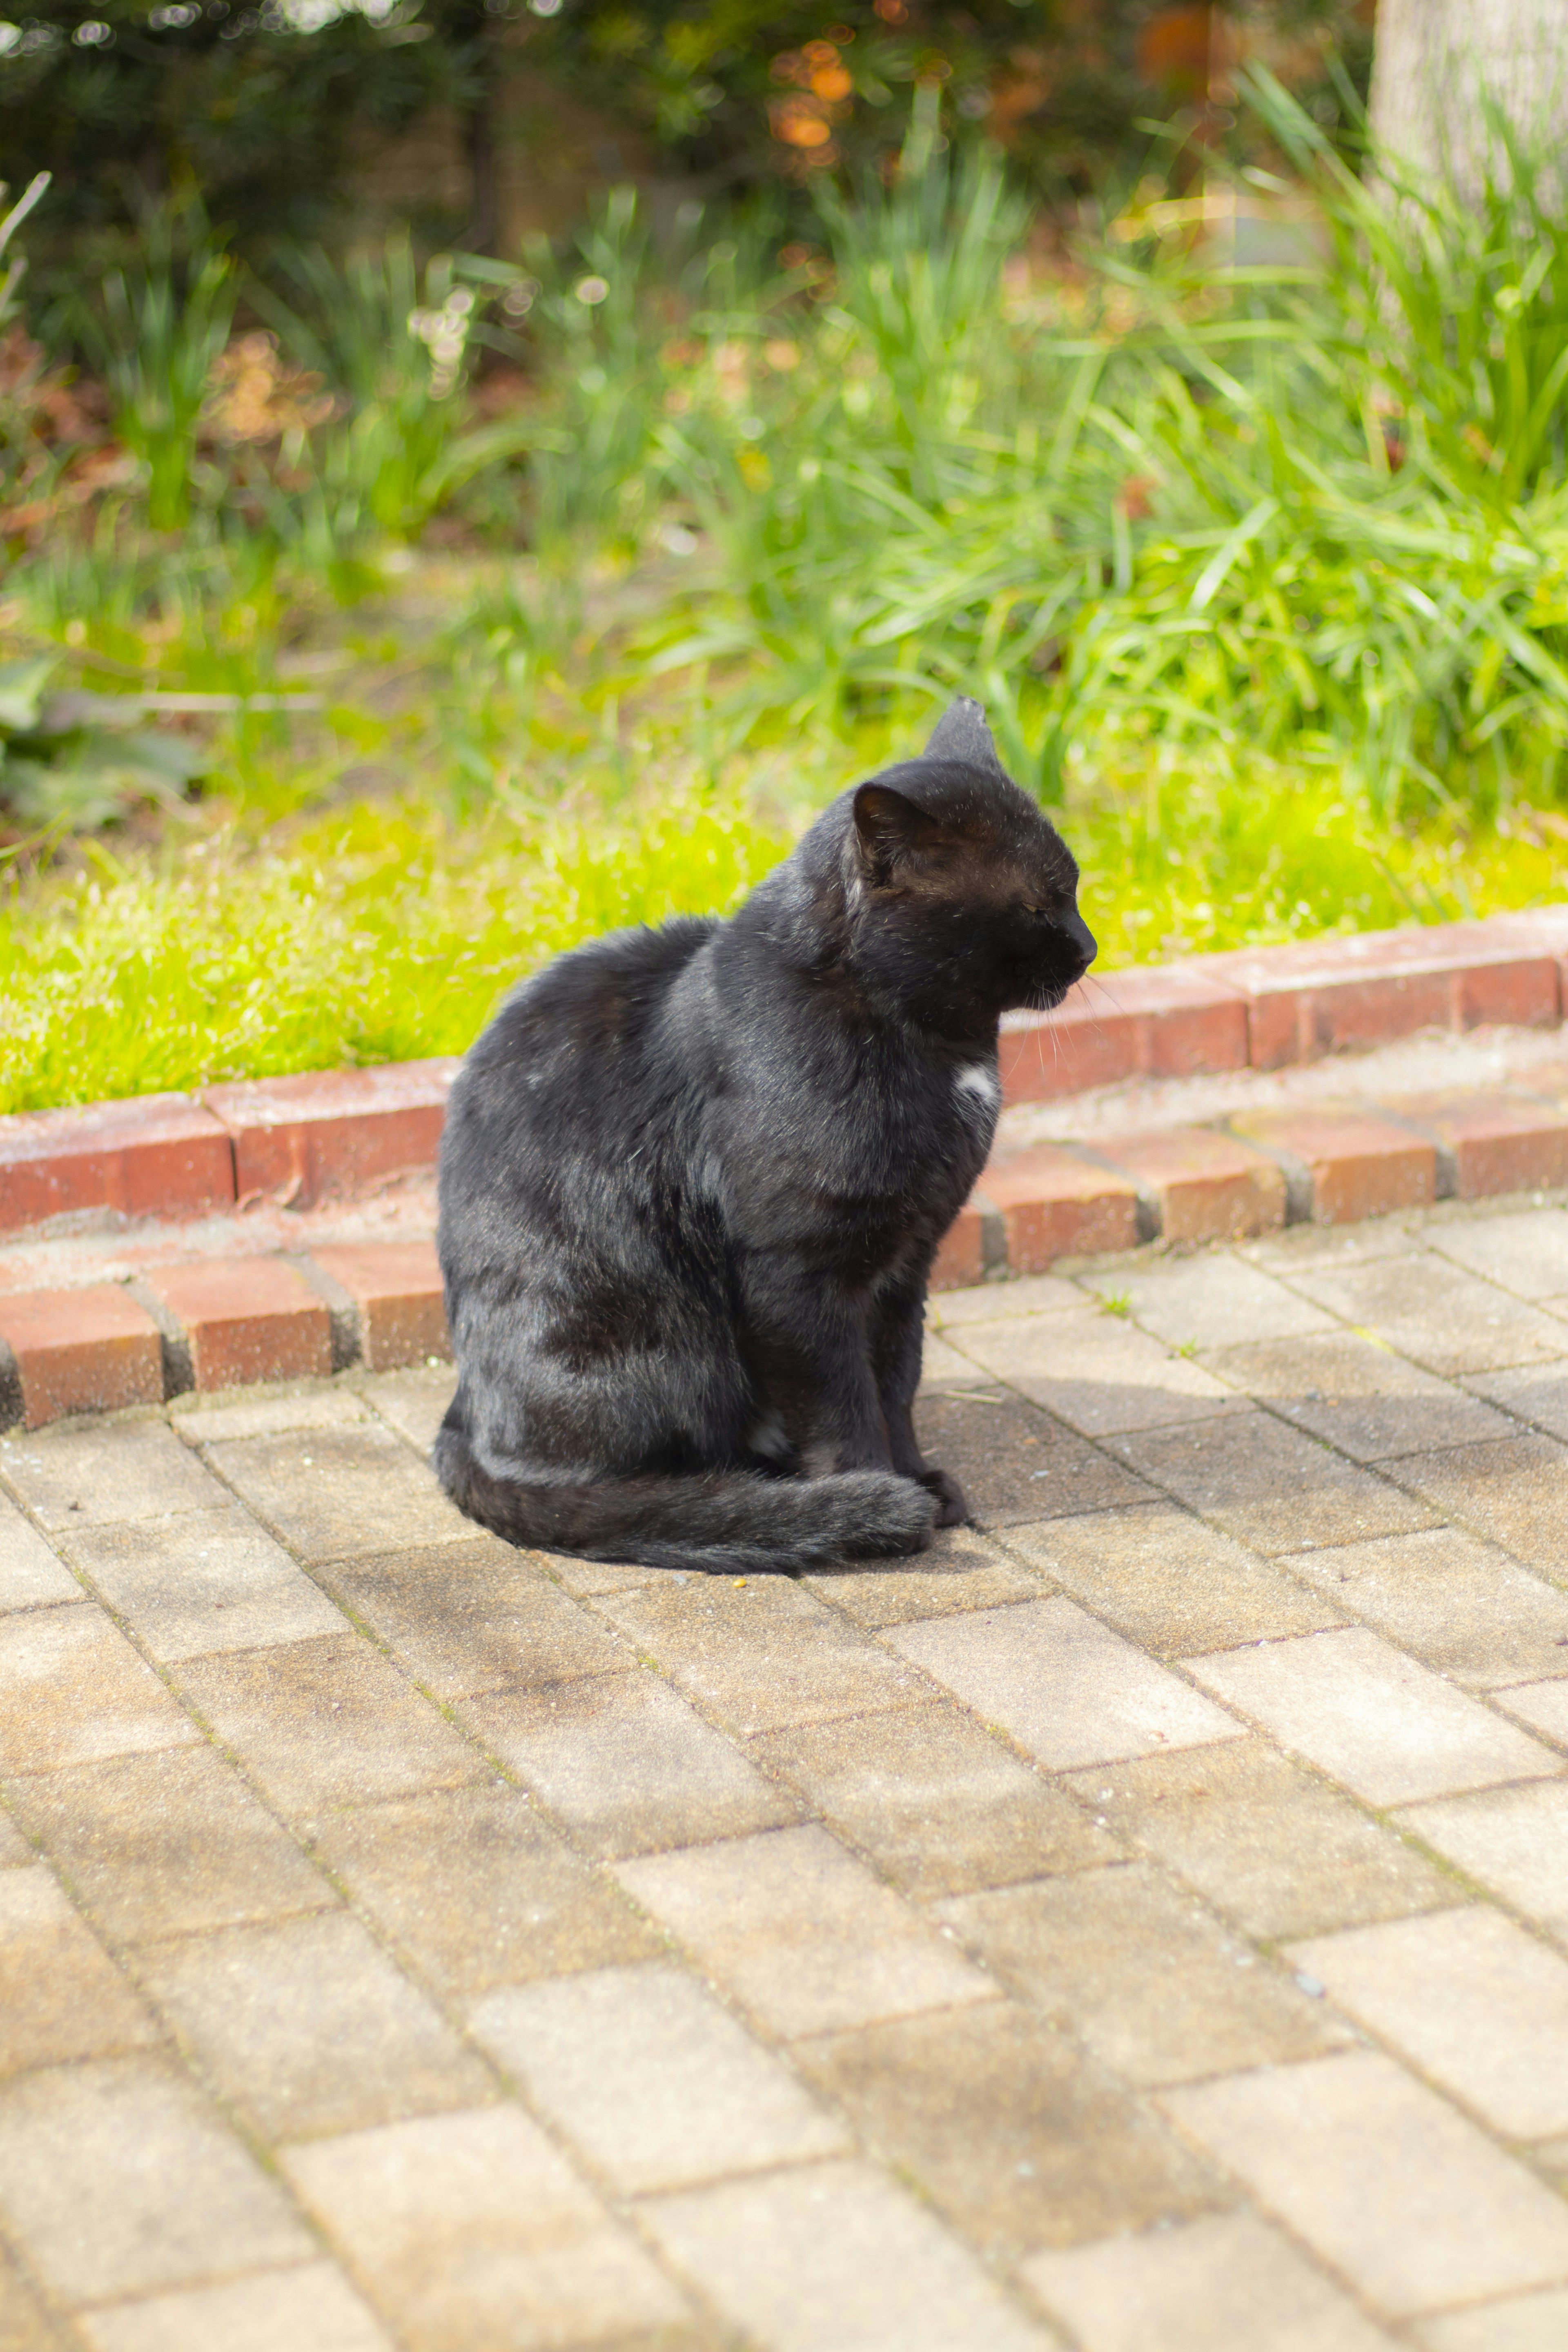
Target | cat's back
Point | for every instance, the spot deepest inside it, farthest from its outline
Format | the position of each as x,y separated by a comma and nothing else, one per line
564,1065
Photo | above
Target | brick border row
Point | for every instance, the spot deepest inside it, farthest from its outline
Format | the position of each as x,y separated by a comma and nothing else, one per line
1254,1173
222,1323
219,1323
298,1140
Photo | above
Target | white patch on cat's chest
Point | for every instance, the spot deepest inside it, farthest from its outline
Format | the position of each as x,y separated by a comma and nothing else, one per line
977,1078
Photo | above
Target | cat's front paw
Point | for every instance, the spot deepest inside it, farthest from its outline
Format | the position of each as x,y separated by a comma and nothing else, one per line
952,1510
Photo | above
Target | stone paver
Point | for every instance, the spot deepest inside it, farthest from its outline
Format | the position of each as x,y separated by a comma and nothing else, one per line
308,2027
803,1935
312,2309
1173,1583
118,2178
167,1845
1270,1486
1356,1394
470,2230
1472,1999
1268,1844
835,2254
652,2078
1372,1718
1061,1684
1139,1924
1460,1606
1229,2284
939,1805
1383,2179
1142,1974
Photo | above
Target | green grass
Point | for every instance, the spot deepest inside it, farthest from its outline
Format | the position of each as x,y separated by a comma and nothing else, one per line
1263,576
385,930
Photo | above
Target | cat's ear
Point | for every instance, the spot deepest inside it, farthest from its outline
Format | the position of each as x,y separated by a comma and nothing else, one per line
963,735
891,829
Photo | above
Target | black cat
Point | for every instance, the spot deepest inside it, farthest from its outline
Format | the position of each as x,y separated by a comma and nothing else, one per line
693,1180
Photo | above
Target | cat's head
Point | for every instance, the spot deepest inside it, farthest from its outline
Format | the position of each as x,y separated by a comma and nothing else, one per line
962,897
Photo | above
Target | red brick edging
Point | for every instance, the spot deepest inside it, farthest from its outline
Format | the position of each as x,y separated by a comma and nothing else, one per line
221,1323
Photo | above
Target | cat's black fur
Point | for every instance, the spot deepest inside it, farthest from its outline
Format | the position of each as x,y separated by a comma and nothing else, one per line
693,1180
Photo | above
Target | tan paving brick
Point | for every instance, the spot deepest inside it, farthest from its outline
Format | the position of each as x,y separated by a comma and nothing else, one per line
31,1575
1371,1717
1228,2284
1459,1605
1019,2139
61,1996
1514,1490
1431,1310
1217,1300
626,1763
942,1367
1031,1293
415,1402
204,1581
1267,1842
312,2309
961,1570
1537,1393
1062,1684
760,1653
834,2253
118,2178
1156,1991
479,1890
588,1577
1327,1245
1384,2181
469,1617
1526,1252
1358,1395
333,1493
1471,1999
100,1472
1015,1462
1099,1374
801,1933
23,2327
308,2027
1270,1486
201,1422
650,2075
72,1688
1171,1581
1513,1841
327,1723
1540,1707
1530,2323
471,2235
167,1845
939,1805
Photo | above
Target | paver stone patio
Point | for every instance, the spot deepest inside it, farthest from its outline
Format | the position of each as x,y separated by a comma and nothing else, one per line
1140,1924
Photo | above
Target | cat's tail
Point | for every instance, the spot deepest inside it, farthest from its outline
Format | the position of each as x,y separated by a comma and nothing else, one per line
716,1522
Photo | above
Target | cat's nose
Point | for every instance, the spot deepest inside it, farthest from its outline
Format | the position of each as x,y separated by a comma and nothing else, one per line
1083,940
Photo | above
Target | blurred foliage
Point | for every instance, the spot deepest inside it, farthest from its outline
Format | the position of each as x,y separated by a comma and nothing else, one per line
260,108
743,91
253,114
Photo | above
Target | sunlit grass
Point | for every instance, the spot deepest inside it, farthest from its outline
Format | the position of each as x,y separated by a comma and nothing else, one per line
383,931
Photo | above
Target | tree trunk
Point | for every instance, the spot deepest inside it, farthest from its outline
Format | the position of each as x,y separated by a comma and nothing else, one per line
1436,60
